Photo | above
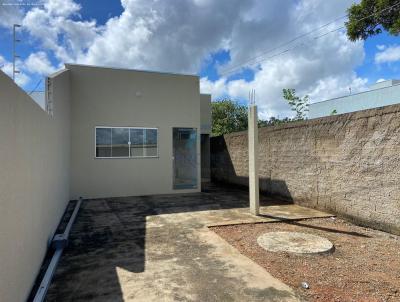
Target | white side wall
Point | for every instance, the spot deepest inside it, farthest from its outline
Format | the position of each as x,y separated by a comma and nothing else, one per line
34,181
380,97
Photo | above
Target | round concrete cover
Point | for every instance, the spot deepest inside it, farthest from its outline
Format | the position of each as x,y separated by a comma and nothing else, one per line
294,242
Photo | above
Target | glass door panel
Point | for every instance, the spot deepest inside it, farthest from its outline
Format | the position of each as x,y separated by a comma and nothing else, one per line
185,158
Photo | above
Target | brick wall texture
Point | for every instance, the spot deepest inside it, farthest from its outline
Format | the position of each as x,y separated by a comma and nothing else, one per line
347,164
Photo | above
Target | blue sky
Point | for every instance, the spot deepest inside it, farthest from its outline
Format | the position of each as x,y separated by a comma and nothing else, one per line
202,37
92,10
369,69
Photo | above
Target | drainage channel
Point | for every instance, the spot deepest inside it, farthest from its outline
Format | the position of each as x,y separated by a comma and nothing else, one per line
59,242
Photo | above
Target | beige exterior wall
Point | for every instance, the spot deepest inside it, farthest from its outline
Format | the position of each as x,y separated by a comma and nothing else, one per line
205,113
127,98
34,182
205,120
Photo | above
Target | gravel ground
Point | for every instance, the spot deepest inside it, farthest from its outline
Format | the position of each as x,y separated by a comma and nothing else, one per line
365,265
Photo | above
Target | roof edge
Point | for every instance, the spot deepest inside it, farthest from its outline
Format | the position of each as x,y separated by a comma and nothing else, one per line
67,65
54,74
362,92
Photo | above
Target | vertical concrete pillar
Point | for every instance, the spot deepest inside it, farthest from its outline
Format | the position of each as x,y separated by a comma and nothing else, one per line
253,161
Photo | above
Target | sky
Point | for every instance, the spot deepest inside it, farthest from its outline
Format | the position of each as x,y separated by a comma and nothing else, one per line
233,45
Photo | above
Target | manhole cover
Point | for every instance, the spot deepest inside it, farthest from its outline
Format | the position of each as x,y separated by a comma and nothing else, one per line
293,242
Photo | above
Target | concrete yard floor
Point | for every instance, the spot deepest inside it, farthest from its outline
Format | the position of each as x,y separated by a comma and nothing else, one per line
159,248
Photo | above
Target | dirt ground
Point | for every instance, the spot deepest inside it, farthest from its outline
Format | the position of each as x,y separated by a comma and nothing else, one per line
365,265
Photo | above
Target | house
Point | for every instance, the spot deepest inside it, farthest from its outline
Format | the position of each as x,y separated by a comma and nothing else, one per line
135,132
105,132
380,94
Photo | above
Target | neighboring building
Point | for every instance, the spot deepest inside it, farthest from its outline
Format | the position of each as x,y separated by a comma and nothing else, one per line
380,94
104,132
39,97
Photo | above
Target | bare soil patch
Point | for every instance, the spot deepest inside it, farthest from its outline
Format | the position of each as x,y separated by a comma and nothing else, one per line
365,265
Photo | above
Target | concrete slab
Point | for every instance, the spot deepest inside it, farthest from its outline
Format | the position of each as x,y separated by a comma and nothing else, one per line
158,248
294,242
271,213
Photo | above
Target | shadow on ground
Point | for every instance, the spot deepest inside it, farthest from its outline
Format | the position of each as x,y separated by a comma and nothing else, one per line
298,223
108,244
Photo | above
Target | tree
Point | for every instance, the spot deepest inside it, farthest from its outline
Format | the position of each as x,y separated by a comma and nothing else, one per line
369,17
273,121
228,116
298,105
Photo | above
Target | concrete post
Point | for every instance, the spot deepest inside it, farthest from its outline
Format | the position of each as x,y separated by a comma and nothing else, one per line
253,161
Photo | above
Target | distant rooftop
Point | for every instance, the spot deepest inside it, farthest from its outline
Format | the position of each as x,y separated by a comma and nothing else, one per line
39,97
380,94
383,84
378,85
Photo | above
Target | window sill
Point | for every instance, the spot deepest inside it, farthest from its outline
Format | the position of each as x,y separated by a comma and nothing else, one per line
127,157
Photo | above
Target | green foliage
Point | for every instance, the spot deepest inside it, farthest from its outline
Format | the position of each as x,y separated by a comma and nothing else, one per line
334,111
298,105
228,116
273,121
366,19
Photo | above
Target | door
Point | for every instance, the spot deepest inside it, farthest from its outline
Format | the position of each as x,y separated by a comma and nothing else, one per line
185,158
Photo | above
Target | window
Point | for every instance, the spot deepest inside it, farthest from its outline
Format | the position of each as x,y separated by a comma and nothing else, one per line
124,142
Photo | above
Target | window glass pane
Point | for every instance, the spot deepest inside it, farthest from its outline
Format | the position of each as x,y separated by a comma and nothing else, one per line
114,142
120,139
103,142
150,145
137,136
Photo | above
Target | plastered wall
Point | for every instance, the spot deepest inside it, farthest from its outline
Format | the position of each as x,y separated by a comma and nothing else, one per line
34,186
128,98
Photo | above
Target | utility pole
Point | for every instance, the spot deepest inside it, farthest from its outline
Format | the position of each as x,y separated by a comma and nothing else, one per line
254,194
14,55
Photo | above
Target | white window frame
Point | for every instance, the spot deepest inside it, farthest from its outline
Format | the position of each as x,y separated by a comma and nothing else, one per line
129,142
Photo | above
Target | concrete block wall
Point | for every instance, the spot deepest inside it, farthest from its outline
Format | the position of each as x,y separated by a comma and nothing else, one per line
347,164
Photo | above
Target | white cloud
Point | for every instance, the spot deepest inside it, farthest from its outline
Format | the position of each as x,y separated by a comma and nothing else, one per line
54,25
62,7
39,63
380,47
322,68
7,67
380,80
9,14
164,35
388,55
178,36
